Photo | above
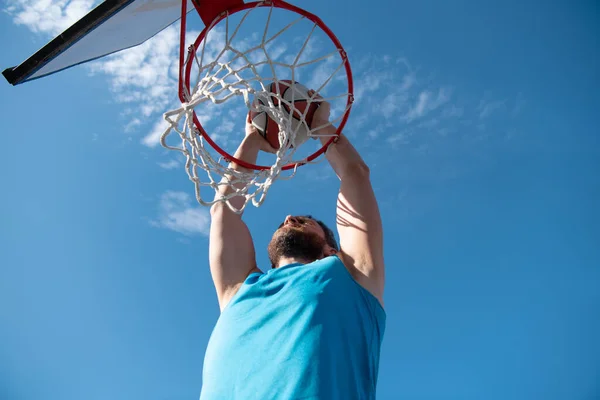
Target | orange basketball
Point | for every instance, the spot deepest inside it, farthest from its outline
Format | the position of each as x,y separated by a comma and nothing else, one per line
295,102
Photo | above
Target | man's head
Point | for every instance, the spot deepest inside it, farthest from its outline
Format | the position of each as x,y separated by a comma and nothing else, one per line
302,238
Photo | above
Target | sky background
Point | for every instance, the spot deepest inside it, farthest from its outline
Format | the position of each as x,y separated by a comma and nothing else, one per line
479,121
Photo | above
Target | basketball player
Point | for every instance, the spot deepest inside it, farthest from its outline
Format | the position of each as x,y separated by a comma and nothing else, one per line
311,327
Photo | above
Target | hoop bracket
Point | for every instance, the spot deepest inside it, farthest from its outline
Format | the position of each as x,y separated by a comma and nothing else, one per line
209,9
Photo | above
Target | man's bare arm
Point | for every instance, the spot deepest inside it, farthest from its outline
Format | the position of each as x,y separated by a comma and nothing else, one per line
231,250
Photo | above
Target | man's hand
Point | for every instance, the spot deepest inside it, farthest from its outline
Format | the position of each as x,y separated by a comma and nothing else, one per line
321,115
256,138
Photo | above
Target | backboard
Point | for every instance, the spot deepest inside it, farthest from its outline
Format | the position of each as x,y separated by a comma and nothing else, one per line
112,26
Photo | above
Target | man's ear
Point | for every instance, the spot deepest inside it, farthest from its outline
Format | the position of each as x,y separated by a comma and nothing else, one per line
329,251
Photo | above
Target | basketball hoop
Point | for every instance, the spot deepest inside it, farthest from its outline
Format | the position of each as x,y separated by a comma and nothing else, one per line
233,72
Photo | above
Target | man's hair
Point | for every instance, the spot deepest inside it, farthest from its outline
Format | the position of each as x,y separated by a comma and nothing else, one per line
329,235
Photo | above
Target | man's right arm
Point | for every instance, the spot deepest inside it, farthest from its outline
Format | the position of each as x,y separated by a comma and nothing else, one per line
231,250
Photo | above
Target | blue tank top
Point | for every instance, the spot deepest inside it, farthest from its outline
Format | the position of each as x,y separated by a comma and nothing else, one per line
296,332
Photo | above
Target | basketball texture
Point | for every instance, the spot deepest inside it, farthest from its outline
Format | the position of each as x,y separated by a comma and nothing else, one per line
295,104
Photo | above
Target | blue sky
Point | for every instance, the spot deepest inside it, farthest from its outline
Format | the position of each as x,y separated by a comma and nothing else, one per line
479,121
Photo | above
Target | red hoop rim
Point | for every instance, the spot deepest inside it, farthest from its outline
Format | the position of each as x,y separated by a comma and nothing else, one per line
184,79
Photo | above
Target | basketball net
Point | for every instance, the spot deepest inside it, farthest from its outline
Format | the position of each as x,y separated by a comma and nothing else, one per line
231,74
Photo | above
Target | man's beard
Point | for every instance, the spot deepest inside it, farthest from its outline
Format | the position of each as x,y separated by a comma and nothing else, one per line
290,242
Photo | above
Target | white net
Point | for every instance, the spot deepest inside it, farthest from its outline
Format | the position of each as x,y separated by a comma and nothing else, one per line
243,55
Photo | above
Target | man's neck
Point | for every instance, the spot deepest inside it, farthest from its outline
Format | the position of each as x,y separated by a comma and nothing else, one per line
283,261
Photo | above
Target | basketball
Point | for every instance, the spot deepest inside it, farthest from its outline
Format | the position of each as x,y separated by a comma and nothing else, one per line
296,101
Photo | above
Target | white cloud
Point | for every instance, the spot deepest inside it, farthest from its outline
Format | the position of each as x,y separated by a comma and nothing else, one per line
453,110
169,164
152,139
225,127
383,84
141,75
311,48
428,123
275,51
519,105
225,131
48,16
370,82
176,213
373,133
330,69
427,102
391,104
399,138
132,125
445,131
487,108
408,81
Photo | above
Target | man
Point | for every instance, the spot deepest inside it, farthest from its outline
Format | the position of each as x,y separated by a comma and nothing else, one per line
312,326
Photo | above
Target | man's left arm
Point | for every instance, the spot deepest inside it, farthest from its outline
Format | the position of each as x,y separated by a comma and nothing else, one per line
358,218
